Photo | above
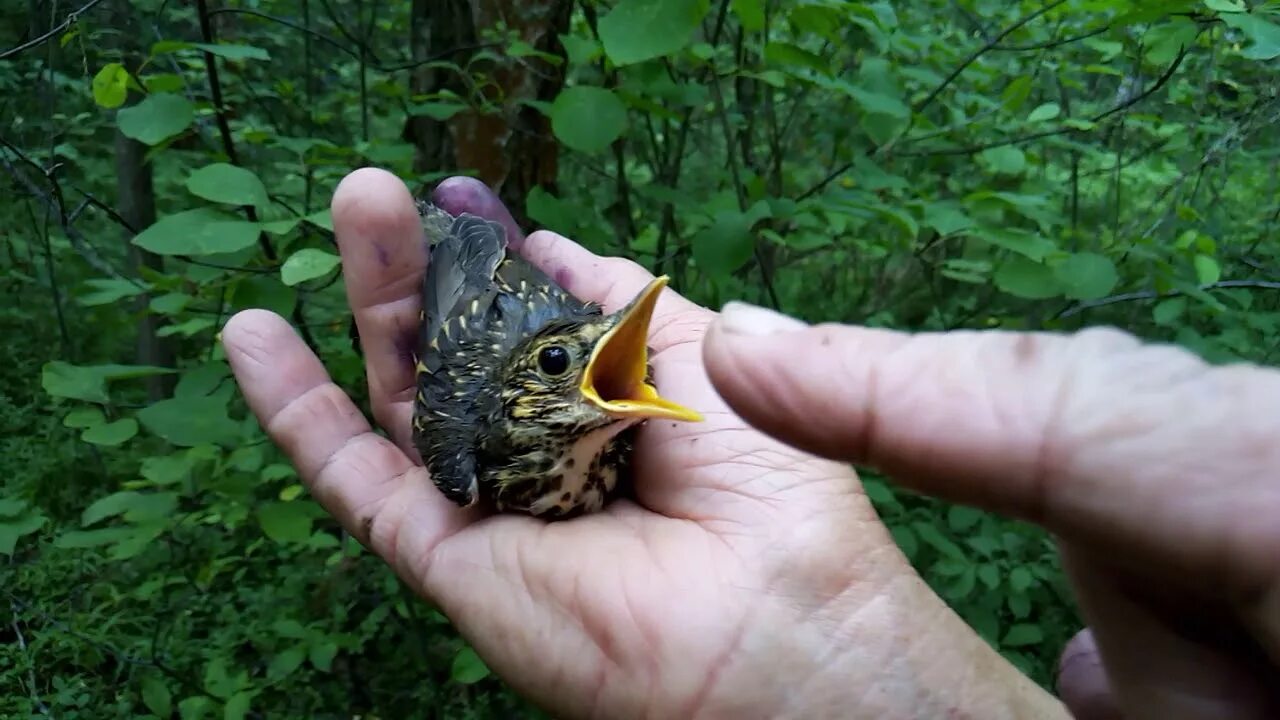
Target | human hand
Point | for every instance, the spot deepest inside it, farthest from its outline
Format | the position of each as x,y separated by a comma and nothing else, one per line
1159,474
746,579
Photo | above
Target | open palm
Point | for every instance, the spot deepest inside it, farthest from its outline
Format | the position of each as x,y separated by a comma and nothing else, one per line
723,587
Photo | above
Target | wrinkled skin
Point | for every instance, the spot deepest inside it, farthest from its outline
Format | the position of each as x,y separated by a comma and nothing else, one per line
751,577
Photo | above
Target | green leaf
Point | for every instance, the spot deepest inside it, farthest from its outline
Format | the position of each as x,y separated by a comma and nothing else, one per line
111,434
202,231
588,118
285,522
989,575
1026,278
289,628
107,291
157,118
932,537
235,52
1020,580
89,382
725,245
167,469
638,30
1086,276
186,329
960,517
750,13
284,663
307,264
111,86
195,707
1207,270
10,507
237,707
266,292
1016,93
13,530
1006,160
188,421
81,418
169,303
77,539
1227,6
946,217
1023,634
1264,34
322,653
467,667
1047,111
155,695
439,111
226,183
1167,312
135,506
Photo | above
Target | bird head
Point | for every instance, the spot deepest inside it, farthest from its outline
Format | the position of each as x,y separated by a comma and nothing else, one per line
582,373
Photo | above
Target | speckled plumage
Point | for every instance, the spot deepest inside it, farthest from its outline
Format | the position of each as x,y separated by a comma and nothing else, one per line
491,423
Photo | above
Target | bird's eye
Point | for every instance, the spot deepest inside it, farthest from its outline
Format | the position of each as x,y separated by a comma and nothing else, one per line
553,360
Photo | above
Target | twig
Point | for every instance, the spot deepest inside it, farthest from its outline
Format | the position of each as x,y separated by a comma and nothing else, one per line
1153,294
973,56
72,17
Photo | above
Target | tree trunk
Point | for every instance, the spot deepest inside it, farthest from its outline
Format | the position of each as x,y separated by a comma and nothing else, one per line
511,148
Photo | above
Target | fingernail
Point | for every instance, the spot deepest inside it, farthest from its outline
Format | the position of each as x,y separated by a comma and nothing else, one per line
739,318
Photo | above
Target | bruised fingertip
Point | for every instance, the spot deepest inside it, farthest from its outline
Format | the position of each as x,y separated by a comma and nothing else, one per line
462,194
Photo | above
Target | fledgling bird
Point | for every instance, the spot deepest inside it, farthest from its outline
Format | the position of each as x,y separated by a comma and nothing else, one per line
527,398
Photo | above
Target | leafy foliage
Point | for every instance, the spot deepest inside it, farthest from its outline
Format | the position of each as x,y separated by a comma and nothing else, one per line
927,166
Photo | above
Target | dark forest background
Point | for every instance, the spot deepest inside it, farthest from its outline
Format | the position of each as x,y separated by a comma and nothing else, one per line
925,165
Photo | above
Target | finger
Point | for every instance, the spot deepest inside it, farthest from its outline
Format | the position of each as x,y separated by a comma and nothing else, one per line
380,239
1082,682
612,283
371,487
1153,668
458,195
1072,432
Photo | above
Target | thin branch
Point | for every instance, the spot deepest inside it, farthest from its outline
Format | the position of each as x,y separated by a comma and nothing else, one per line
72,18
1063,130
1050,44
1153,294
973,56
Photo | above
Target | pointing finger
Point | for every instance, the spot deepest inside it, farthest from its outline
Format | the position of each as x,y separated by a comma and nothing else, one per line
1140,452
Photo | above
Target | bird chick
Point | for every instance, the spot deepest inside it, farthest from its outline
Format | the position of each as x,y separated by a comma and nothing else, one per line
527,398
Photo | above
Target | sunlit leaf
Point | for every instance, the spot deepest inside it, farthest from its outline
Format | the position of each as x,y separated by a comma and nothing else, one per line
467,667
307,264
111,86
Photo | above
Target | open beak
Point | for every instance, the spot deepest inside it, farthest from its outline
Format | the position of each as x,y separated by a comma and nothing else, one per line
615,376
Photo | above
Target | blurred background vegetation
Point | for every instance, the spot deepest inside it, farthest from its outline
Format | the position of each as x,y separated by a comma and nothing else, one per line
928,165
